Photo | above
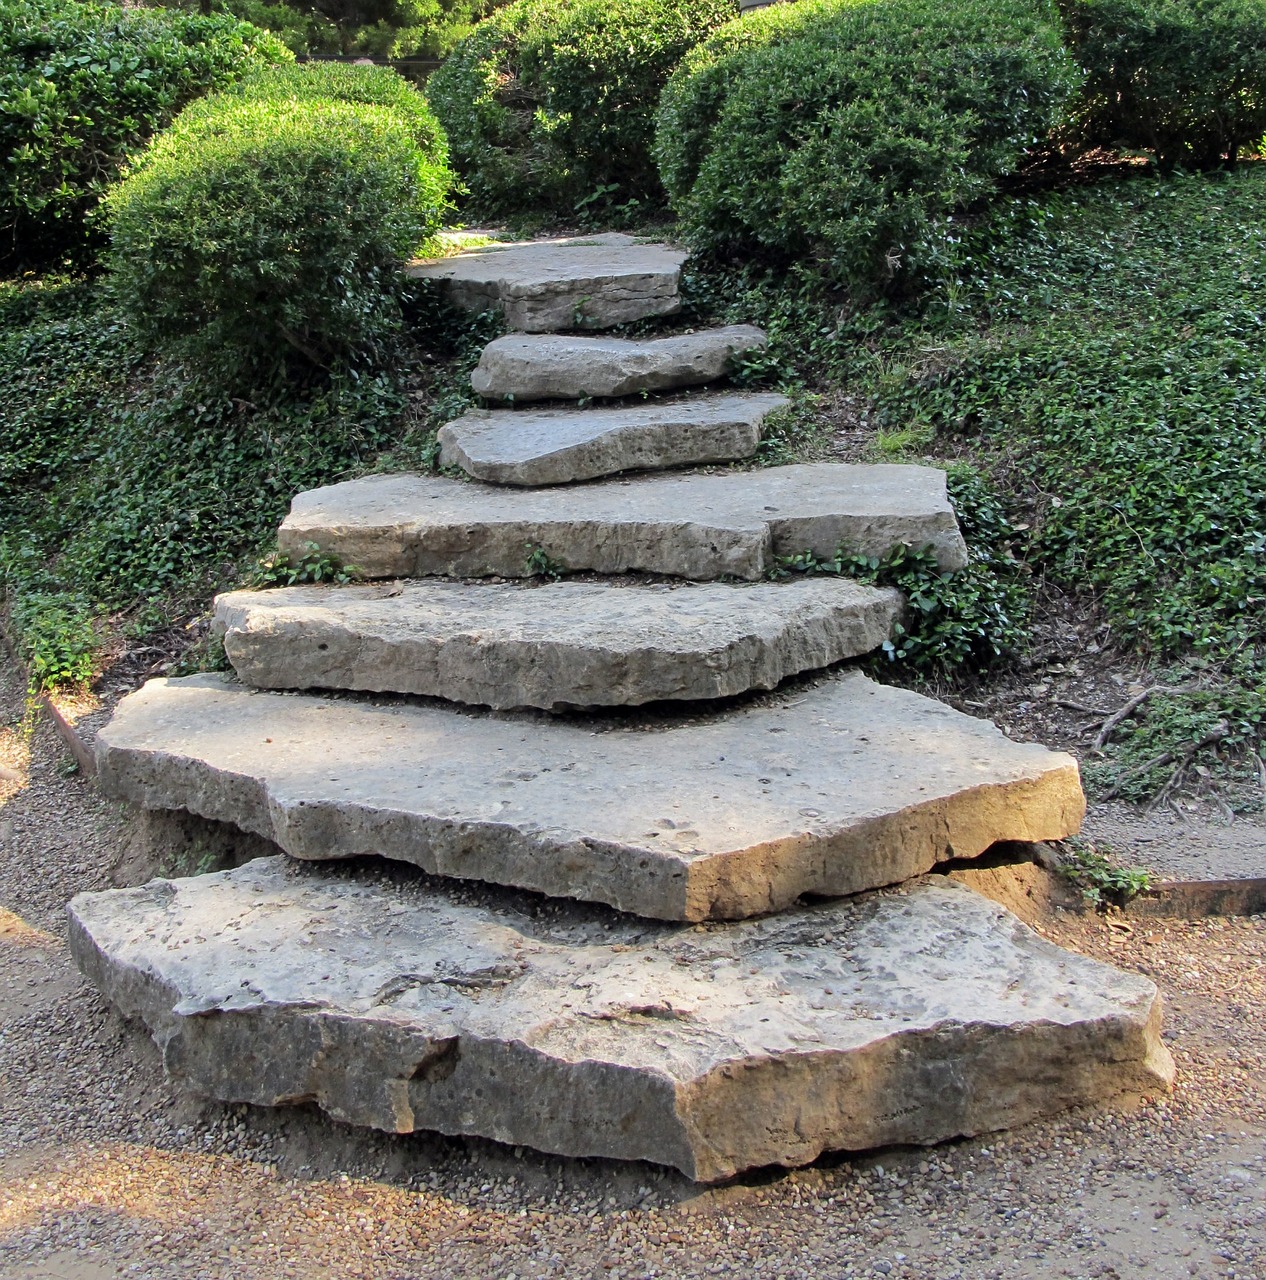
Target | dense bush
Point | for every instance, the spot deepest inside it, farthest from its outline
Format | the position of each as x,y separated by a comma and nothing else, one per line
550,103
82,85
1184,79
260,229
373,86
855,130
379,28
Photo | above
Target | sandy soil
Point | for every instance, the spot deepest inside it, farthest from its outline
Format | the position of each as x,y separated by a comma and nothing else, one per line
106,1171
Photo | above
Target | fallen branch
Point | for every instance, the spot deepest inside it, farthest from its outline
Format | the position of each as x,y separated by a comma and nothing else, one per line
1117,718
1218,733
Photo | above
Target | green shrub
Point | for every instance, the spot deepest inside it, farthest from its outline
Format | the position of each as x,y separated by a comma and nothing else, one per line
56,638
82,86
550,103
372,86
854,131
256,231
1184,79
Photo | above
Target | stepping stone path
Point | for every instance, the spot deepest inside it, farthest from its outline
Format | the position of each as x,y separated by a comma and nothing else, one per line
907,1014
577,644
590,282
896,1019
733,524
555,446
560,366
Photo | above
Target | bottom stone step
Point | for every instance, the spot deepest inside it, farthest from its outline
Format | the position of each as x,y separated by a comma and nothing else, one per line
910,1017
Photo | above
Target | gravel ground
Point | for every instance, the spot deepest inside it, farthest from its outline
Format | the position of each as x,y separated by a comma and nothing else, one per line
107,1172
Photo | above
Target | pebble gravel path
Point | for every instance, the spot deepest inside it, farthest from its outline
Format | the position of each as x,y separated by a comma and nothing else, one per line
106,1171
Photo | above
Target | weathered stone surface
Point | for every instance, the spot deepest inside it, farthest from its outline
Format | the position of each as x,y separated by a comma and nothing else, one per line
731,524
895,1019
542,286
830,790
557,446
562,644
525,367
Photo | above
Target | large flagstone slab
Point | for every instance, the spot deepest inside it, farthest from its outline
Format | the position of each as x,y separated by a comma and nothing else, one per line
560,644
833,789
905,1018
700,526
560,446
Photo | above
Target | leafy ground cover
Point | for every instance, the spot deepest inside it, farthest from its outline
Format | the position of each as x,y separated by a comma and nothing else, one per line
1105,359
132,488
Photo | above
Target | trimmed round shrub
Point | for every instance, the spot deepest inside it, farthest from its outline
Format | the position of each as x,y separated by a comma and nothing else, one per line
549,104
256,232
854,131
339,82
84,85
1183,79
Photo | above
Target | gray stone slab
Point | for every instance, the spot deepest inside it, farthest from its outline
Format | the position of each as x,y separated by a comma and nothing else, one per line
525,367
907,1018
558,446
560,644
542,286
829,790
730,524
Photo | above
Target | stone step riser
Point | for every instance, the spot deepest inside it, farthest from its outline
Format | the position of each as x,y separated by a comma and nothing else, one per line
831,790
561,645
560,446
902,1019
523,368
732,524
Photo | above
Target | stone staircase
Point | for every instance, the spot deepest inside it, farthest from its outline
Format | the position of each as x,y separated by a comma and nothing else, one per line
674,997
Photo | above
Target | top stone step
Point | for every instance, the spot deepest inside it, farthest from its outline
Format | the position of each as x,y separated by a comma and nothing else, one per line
544,286
524,367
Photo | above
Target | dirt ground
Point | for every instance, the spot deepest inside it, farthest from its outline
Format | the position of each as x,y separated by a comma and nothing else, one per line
106,1171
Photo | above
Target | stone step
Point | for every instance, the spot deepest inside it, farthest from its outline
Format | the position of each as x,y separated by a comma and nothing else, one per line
896,1019
542,286
558,446
578,644
525,367
841,787
730,524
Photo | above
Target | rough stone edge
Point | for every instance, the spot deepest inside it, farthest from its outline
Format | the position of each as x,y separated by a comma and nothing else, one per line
1137,1043
656,884
871,618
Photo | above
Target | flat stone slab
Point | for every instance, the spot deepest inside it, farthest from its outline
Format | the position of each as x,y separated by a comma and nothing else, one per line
830,790
579,644
558,446
729,524
908,1018
542,286
524,367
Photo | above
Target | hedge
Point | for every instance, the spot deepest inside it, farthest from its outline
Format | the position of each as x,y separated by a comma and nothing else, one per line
550,103
82,85
855,131
261,231
1183,79
373,86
